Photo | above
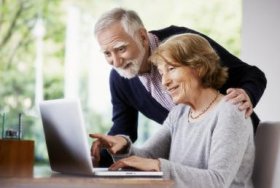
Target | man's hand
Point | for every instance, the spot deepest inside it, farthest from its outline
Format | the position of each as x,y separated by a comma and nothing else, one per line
139,163
240,97
113,144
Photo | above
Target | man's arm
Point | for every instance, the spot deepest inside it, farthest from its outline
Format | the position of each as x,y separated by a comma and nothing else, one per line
125,116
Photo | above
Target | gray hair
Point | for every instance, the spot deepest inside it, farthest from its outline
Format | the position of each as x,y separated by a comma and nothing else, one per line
129,19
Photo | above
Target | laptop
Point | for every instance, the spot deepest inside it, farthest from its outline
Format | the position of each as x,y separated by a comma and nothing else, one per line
67,141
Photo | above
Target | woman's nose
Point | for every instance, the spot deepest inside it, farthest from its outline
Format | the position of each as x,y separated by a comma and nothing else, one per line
165,80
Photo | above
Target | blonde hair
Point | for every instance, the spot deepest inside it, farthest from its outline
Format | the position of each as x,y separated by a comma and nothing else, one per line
193,51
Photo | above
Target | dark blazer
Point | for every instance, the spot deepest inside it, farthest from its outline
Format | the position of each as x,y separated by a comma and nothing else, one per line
129,96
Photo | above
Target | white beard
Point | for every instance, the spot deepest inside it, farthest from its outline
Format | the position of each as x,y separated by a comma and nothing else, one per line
134,65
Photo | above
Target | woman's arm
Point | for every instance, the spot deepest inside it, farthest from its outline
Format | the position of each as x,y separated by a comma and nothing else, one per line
146,158
231,155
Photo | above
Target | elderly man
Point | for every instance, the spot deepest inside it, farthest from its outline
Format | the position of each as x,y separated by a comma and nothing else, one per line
135,84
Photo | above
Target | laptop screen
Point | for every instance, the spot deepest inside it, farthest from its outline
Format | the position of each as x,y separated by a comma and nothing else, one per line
65,136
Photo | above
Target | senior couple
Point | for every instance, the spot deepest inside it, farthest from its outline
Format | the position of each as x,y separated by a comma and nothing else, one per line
201,94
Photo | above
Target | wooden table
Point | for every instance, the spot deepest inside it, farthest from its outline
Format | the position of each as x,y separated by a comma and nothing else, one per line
69,181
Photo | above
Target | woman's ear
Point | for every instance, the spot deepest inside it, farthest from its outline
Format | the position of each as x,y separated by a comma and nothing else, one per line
196,72
199,72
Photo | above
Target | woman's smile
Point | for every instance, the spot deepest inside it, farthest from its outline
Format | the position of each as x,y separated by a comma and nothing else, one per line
172,90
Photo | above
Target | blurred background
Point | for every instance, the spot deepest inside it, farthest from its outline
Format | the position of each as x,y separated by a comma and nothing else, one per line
48,51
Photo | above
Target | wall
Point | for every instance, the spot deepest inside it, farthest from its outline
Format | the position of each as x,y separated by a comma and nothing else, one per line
261,47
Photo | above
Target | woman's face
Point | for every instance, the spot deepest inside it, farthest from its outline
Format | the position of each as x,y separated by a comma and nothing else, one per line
180,81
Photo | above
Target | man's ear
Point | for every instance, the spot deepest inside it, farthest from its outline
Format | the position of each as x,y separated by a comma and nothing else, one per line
144,39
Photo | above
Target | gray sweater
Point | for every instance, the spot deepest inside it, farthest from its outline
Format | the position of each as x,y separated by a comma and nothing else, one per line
216,152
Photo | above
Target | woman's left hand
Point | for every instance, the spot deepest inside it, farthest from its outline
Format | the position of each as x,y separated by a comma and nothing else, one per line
240,97
139,163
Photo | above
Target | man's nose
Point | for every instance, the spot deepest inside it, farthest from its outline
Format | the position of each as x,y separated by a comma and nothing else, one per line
117,61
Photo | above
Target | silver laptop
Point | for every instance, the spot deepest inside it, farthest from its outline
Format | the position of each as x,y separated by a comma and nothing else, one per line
67,144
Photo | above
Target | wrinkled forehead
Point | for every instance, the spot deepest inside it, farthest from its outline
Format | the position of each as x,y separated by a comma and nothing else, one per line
113,37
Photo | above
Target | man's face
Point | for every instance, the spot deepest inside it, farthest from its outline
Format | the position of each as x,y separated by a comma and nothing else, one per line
123,52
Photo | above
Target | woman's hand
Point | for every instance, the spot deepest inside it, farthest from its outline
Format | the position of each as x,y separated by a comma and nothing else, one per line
139,163
113,144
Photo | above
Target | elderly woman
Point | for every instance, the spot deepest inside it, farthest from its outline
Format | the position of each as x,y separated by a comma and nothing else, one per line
205,141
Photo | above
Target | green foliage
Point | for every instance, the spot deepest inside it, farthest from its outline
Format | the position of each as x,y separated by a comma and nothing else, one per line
52,85
17,49
17,56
